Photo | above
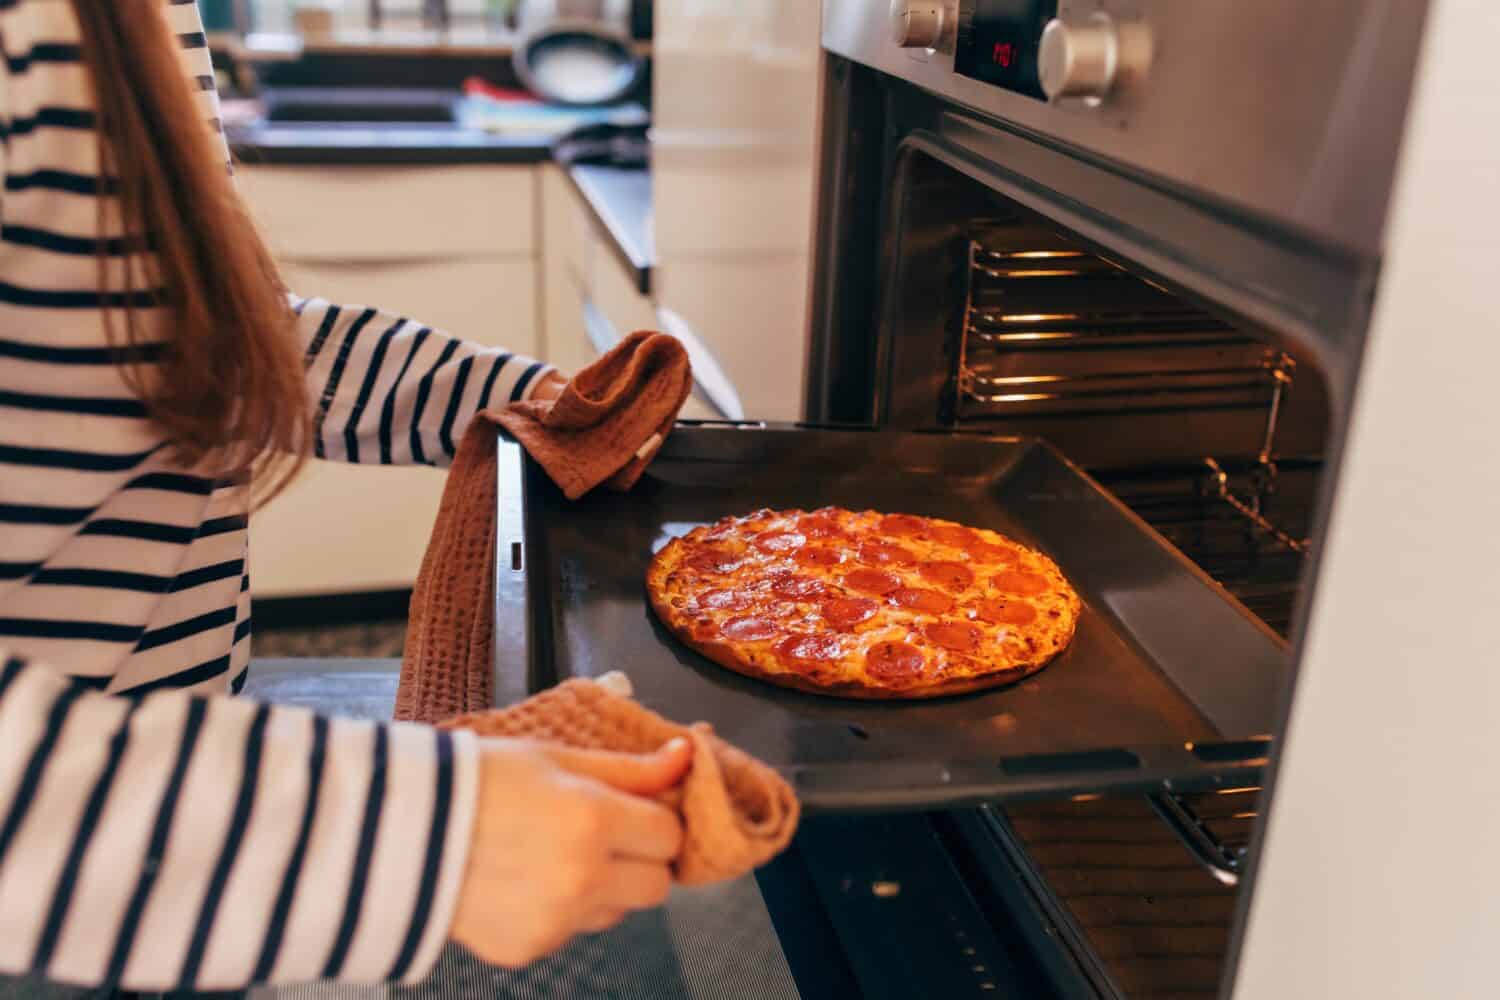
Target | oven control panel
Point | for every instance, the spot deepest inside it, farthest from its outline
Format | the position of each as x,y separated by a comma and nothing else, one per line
999,42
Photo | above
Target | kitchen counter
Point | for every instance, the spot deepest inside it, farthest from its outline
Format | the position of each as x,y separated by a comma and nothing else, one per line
520,133
384,143
621,202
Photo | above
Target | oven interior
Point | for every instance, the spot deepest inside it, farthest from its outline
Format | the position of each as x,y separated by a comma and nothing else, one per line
1212,429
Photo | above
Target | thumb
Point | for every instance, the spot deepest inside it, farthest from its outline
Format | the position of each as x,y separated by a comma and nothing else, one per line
638,774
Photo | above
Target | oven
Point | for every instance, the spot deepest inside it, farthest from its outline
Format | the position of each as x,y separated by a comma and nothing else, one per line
1101,274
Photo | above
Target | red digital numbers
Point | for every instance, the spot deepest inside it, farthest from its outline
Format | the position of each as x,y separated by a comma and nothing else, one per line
1004,54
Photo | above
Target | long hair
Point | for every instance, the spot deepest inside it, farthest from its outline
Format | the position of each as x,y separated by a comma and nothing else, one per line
228,392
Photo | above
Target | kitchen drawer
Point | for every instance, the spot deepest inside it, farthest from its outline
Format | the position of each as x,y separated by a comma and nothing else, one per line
568,343
566,221
330,212
489,299
613,290
750,312
344,529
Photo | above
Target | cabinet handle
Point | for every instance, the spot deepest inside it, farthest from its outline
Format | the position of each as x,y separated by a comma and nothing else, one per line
712,385
601,332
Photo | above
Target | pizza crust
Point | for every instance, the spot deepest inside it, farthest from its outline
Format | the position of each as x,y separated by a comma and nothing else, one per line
725,654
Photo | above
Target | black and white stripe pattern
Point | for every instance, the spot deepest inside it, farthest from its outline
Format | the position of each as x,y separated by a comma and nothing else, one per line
150,836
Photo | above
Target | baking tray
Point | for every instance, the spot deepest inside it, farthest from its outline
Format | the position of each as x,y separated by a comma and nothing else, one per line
1168,679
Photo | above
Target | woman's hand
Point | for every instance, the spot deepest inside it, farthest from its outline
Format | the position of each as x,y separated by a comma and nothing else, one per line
551,386
564,842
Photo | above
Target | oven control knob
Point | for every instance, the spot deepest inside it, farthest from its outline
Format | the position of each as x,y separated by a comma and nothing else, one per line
916,24
1091,58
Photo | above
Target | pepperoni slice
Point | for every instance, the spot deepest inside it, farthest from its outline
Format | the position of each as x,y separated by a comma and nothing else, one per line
798,588
724,600
810,648
1014,582
948,575
894,661
928,601
713,561
990,552
871,581
1001,611
818,555
903,524
779,541
846,612
884,554
750,629
961,637
820,526
954,535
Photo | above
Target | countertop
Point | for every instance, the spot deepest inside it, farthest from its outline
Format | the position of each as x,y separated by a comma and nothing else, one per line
303,143
479,132
620,200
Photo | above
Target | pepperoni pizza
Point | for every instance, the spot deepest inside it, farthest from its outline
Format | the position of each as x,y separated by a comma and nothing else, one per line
861,604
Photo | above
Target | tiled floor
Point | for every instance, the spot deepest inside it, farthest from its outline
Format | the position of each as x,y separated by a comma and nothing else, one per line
364,640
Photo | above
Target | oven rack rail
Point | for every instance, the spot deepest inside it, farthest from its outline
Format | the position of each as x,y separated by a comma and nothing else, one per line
1243,524
1054,331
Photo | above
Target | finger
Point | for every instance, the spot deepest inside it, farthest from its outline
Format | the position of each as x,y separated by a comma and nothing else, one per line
640,829
634,885
638,774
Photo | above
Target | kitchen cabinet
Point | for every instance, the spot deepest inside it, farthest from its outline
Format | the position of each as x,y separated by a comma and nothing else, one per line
591,297
455,247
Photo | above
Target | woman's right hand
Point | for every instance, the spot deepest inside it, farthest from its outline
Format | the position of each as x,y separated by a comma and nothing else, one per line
565,842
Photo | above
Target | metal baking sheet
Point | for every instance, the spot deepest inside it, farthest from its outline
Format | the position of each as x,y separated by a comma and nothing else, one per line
1168,678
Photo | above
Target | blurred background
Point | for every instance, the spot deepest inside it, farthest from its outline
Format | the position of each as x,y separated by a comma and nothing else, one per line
541,175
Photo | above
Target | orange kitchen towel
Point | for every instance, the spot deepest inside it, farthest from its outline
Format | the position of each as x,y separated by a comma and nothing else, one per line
737,813
604,428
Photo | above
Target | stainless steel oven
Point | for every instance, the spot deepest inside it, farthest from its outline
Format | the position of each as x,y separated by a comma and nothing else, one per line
1149,233
1193,295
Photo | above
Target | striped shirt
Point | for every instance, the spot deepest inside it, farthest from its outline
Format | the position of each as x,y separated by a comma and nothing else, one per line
153,835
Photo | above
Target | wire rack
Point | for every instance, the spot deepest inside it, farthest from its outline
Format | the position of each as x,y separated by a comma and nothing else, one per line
1053,331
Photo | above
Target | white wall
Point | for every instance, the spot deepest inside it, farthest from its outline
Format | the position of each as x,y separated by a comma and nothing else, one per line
1377,879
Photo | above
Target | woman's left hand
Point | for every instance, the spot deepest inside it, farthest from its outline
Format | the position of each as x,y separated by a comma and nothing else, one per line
551,386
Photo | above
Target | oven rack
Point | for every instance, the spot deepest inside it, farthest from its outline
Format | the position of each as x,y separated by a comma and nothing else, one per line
1053,331
1259,559
1143,907
1251,385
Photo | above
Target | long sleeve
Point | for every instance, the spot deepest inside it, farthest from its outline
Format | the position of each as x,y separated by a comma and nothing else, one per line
388,390
384,389
160,839
177,842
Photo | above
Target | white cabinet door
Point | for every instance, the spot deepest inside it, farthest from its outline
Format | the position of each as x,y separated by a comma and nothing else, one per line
563,233
489,299
450,247
345,213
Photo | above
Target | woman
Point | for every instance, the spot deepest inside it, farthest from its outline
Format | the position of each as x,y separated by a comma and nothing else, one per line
152,378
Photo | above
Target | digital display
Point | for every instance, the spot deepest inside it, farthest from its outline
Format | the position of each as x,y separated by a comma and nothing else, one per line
998,43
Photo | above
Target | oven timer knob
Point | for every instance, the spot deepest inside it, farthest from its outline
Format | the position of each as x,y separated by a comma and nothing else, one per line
916,24
1090,59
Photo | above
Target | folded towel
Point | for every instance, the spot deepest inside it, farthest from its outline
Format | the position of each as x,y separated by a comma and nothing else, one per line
604,428
737,813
